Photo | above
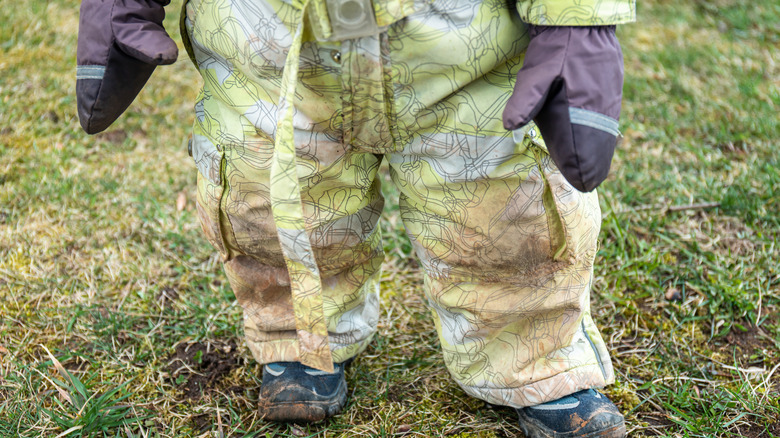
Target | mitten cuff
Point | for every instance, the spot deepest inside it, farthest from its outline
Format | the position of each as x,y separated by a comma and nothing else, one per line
579,13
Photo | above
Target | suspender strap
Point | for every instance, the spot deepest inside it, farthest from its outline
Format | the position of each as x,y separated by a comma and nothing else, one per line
287,208
286,203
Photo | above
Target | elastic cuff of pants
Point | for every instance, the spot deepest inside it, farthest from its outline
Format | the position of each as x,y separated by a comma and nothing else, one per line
546,390
286,350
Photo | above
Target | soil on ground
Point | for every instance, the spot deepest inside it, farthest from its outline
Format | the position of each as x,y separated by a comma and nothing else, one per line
198,368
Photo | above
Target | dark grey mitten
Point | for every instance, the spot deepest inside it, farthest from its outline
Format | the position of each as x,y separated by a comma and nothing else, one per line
119,45
571,85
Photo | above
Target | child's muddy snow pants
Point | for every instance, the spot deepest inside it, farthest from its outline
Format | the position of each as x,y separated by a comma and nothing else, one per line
506,245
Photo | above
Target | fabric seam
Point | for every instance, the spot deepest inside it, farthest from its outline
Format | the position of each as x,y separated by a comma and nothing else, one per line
595,351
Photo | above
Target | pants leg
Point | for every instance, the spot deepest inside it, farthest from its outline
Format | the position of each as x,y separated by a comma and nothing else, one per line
506,244
240,49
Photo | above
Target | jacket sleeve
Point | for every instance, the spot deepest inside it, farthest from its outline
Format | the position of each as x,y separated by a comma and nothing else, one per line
576,12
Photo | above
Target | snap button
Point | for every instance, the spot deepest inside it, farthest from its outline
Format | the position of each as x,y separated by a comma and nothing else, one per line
532,133
351,12
349,19
335,55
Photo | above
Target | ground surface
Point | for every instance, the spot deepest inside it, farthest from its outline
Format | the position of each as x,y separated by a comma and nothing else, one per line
103,265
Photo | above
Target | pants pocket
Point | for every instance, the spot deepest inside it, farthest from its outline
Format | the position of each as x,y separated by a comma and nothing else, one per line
560,248
573,217
208,158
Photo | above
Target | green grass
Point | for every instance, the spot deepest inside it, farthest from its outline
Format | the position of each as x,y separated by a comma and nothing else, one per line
100,267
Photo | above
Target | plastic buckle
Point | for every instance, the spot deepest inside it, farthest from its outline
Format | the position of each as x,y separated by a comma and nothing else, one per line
350,19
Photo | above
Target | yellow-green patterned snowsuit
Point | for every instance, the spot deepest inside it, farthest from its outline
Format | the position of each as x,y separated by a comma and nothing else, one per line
288,139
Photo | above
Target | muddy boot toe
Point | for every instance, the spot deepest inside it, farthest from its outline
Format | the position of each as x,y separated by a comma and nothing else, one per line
294,392
584,414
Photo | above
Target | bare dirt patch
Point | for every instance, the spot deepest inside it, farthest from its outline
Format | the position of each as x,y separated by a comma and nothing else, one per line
753,338
756,431
748,341
198,368
657,423
202,422
403,394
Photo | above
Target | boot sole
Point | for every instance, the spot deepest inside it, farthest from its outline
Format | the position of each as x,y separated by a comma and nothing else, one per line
618,431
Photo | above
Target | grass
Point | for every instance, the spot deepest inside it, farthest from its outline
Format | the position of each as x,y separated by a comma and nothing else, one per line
116,318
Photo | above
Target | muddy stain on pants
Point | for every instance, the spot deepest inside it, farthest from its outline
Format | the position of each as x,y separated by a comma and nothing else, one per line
506,245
